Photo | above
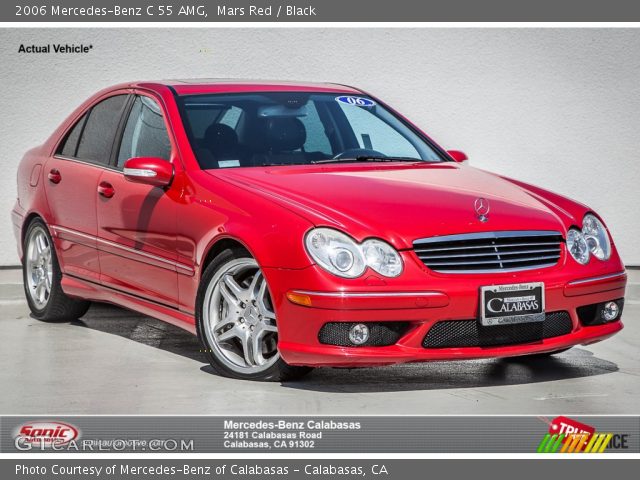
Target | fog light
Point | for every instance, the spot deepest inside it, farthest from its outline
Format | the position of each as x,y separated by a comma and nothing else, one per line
610,311
601,313
359,334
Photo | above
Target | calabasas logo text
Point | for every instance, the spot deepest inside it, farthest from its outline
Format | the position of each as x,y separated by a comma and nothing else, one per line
513,304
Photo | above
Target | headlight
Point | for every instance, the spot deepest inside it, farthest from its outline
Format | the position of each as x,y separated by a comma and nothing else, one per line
591,240
577,246
335,252
341,255
382,258
596,237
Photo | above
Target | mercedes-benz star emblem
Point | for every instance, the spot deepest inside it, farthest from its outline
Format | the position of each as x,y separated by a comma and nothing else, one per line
482,208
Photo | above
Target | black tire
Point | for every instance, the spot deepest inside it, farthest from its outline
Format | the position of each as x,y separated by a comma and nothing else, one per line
278,372
59,307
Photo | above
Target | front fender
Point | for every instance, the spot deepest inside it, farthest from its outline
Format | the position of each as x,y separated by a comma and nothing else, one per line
214,210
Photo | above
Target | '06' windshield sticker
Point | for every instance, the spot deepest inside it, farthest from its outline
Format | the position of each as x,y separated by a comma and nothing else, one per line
356,101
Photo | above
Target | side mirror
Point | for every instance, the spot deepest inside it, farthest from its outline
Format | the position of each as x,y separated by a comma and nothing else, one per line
149,170
458,156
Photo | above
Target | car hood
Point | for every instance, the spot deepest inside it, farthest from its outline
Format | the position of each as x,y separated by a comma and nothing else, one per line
401,202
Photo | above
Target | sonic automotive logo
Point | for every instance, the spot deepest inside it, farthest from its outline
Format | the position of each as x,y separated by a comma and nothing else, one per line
59,436
570,436
44,434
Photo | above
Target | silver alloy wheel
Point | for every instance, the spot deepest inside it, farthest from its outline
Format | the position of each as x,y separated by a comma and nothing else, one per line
39,269
239,320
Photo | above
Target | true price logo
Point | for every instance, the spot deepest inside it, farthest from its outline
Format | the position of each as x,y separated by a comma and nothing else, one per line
569,427
569,436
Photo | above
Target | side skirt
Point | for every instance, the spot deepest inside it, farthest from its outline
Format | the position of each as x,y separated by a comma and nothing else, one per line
76,287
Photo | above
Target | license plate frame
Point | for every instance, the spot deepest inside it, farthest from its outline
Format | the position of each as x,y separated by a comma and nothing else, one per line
519,307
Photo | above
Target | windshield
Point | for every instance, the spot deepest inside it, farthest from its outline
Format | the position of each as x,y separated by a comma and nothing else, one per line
292,128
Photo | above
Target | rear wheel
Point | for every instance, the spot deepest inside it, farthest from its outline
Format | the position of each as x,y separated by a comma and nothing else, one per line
41,277
236,321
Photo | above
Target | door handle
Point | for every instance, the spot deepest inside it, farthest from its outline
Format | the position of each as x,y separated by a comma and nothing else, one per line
106,189
54,176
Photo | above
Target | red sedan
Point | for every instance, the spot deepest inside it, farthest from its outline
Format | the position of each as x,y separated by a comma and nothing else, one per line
295,225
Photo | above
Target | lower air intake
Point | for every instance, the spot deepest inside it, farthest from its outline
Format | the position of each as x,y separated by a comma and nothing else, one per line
469,333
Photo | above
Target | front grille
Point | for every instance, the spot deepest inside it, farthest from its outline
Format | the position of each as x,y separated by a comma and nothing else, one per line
469,333
490,251
380,333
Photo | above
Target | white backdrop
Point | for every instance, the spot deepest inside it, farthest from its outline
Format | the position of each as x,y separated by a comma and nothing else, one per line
559,108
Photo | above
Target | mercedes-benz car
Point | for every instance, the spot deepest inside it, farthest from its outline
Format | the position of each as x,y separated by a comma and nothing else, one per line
299,225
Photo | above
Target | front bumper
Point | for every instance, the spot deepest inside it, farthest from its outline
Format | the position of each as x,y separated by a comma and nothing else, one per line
447,297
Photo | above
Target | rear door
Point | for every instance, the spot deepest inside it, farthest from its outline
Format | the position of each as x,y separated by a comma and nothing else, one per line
136,222
71,181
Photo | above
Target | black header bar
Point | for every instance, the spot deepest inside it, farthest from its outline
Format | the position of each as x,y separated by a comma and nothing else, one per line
368,11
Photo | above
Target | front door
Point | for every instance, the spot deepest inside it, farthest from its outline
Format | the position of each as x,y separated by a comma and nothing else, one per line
136,222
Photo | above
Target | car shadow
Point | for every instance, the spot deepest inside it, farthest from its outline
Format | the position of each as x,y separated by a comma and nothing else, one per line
142,329
575,363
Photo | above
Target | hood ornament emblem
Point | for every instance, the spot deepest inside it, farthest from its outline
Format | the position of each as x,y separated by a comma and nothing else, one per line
482,208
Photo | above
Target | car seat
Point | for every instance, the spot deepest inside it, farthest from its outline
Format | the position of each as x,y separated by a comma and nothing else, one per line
283,140
220,143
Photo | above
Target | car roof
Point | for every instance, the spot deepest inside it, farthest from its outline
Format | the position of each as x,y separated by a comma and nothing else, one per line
229,85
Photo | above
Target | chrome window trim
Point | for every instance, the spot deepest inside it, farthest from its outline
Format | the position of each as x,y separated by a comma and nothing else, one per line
87,162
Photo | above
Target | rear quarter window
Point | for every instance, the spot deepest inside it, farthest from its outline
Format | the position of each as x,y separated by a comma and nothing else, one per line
69,145
100,129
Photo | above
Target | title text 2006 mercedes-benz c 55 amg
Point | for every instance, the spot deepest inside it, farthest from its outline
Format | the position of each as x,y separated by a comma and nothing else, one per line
299,225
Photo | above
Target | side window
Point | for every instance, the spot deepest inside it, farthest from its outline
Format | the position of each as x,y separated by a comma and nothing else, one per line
145,134
100,129
70,144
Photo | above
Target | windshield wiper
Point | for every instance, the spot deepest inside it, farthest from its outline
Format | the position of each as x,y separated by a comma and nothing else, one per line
267,164
366,158
362,158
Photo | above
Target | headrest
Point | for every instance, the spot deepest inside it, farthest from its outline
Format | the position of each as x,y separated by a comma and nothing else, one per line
220,138
285,134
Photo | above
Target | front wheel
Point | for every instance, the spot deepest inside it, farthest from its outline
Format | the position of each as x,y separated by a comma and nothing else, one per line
41,277
236,321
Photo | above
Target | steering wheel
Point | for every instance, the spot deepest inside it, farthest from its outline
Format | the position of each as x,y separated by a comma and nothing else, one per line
359,152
